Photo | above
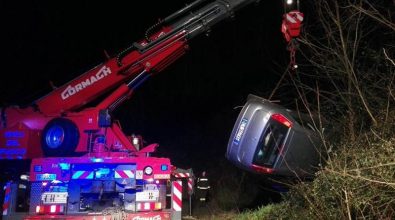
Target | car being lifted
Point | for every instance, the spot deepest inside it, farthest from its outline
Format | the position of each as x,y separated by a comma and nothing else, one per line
272,140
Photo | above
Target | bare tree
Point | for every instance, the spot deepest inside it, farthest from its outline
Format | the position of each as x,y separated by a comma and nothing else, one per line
348,46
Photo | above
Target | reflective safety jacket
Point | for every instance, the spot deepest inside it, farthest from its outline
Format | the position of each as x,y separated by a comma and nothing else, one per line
203,183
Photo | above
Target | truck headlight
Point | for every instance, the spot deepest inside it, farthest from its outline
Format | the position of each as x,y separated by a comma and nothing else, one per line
148,170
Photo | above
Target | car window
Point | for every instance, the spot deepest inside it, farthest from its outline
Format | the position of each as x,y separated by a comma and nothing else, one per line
270,143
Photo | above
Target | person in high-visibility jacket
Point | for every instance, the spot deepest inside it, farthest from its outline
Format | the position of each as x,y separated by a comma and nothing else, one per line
203,187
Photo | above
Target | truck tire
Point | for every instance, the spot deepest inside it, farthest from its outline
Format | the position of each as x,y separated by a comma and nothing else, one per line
60,138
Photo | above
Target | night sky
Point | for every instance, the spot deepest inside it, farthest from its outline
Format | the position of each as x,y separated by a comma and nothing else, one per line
189,109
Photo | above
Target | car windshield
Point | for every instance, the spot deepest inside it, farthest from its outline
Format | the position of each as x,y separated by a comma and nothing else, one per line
270,144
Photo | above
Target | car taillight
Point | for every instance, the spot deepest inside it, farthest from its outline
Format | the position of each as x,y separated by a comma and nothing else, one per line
262,169
282,119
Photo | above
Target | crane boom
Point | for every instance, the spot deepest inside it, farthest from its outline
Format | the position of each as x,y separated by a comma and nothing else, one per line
150,55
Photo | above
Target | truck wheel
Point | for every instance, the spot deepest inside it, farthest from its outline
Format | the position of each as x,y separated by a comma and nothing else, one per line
60,138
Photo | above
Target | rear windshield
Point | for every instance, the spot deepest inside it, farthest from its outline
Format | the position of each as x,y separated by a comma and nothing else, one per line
270,144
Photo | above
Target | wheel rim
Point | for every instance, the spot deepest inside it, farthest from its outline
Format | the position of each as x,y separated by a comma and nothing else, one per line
55,136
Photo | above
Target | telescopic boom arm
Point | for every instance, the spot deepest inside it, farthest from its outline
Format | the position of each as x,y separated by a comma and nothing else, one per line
137,63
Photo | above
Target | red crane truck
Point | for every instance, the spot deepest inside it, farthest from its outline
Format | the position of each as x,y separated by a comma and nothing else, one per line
82,165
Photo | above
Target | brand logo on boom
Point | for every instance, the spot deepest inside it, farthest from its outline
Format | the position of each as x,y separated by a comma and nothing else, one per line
72,90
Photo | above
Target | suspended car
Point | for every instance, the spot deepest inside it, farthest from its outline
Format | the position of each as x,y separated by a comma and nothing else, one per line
272,140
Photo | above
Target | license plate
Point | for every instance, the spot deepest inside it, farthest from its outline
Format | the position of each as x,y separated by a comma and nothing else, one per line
148,195
45,176
54,198
240,131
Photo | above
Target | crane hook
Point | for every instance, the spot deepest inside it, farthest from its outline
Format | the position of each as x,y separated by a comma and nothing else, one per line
293,45
290,27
